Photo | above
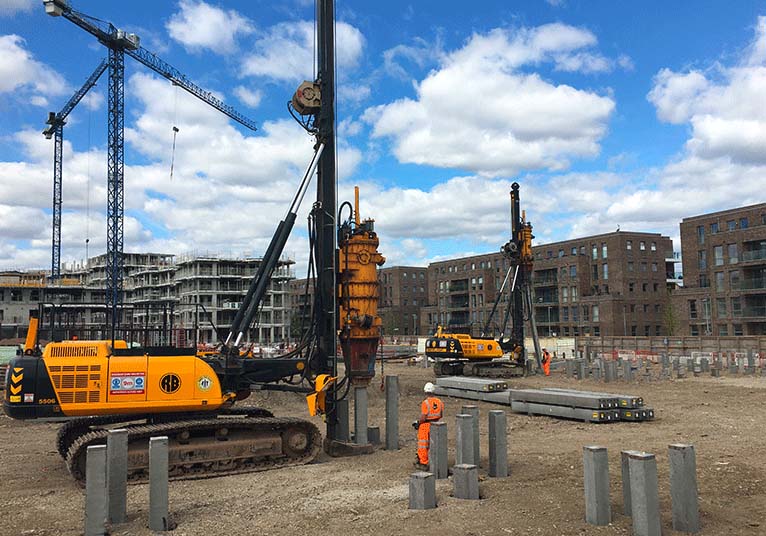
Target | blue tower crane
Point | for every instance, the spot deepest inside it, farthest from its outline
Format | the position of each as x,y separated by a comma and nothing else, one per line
119,43
55,129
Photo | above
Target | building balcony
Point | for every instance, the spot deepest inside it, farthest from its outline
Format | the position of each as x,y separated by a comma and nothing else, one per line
751,284
545,281
754,255
755,312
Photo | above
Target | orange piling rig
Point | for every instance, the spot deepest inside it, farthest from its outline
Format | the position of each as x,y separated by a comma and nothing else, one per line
359,323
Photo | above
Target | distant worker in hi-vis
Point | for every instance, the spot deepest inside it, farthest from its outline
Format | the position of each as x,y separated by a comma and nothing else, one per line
431,410
546,362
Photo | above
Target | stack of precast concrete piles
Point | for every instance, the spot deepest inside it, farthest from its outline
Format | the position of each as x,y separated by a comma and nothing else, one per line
565,403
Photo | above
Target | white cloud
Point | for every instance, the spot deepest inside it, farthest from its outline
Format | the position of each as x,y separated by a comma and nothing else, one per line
22,75
285,51
9,8
505,120
249,97
199,25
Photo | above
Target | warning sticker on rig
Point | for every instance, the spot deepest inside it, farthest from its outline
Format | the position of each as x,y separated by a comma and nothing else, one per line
127,383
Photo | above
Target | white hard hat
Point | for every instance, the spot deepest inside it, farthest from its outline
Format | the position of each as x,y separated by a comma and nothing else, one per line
429,388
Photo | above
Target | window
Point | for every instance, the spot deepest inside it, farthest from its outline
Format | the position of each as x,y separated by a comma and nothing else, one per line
596,331
737,329
704,281
473,266
657,330
565,314
574,294
631,287
564,294
733,256
586,313
701,234
734,279
605,269
632,308
633,331
645,287
643,266
731,225
414,302
629,245
646,308
714,228
594,272
743,224
606,289
736,307
647,330
561,253
702,259
575,314
719,286
594,251
404,274
723,330
404,302
449,269
630,266
603,250
653,246
720,307
573,271
718,255
642,245
582,250
566,331
654,267
695,330
657,308
574,250
34,295
656,287
563,271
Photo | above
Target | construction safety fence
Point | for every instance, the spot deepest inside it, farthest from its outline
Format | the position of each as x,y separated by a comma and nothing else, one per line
724,350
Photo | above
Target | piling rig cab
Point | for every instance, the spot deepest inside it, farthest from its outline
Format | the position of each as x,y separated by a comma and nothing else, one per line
190,398
495,355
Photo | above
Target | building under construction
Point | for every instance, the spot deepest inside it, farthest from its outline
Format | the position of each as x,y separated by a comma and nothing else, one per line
167,299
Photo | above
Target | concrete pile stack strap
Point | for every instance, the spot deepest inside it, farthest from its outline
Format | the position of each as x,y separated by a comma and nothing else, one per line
472,384
626,401
500,397
580,414
572,399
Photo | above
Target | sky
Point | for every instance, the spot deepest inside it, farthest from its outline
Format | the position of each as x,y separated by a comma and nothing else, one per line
608,114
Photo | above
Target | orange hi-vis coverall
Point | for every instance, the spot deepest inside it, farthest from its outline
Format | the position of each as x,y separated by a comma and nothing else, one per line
547,363
430,411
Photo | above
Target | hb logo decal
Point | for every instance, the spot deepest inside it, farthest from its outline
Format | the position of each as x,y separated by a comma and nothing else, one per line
170,383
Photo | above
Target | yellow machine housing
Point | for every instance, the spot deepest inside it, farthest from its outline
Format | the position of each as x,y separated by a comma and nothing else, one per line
79,378
462,346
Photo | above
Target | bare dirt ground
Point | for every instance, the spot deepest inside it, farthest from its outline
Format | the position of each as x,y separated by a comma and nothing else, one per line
723,418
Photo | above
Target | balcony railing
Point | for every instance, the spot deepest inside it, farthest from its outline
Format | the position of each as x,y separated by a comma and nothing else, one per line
754,255
751,284
544,281
754,311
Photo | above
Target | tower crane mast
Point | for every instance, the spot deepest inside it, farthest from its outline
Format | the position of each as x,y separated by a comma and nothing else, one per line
55,130
119,43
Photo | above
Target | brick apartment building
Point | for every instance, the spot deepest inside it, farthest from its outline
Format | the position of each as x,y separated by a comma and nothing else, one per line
724,273
609,284
403,292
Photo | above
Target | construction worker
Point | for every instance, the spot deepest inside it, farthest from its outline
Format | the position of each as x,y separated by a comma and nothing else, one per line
431,410
546,362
